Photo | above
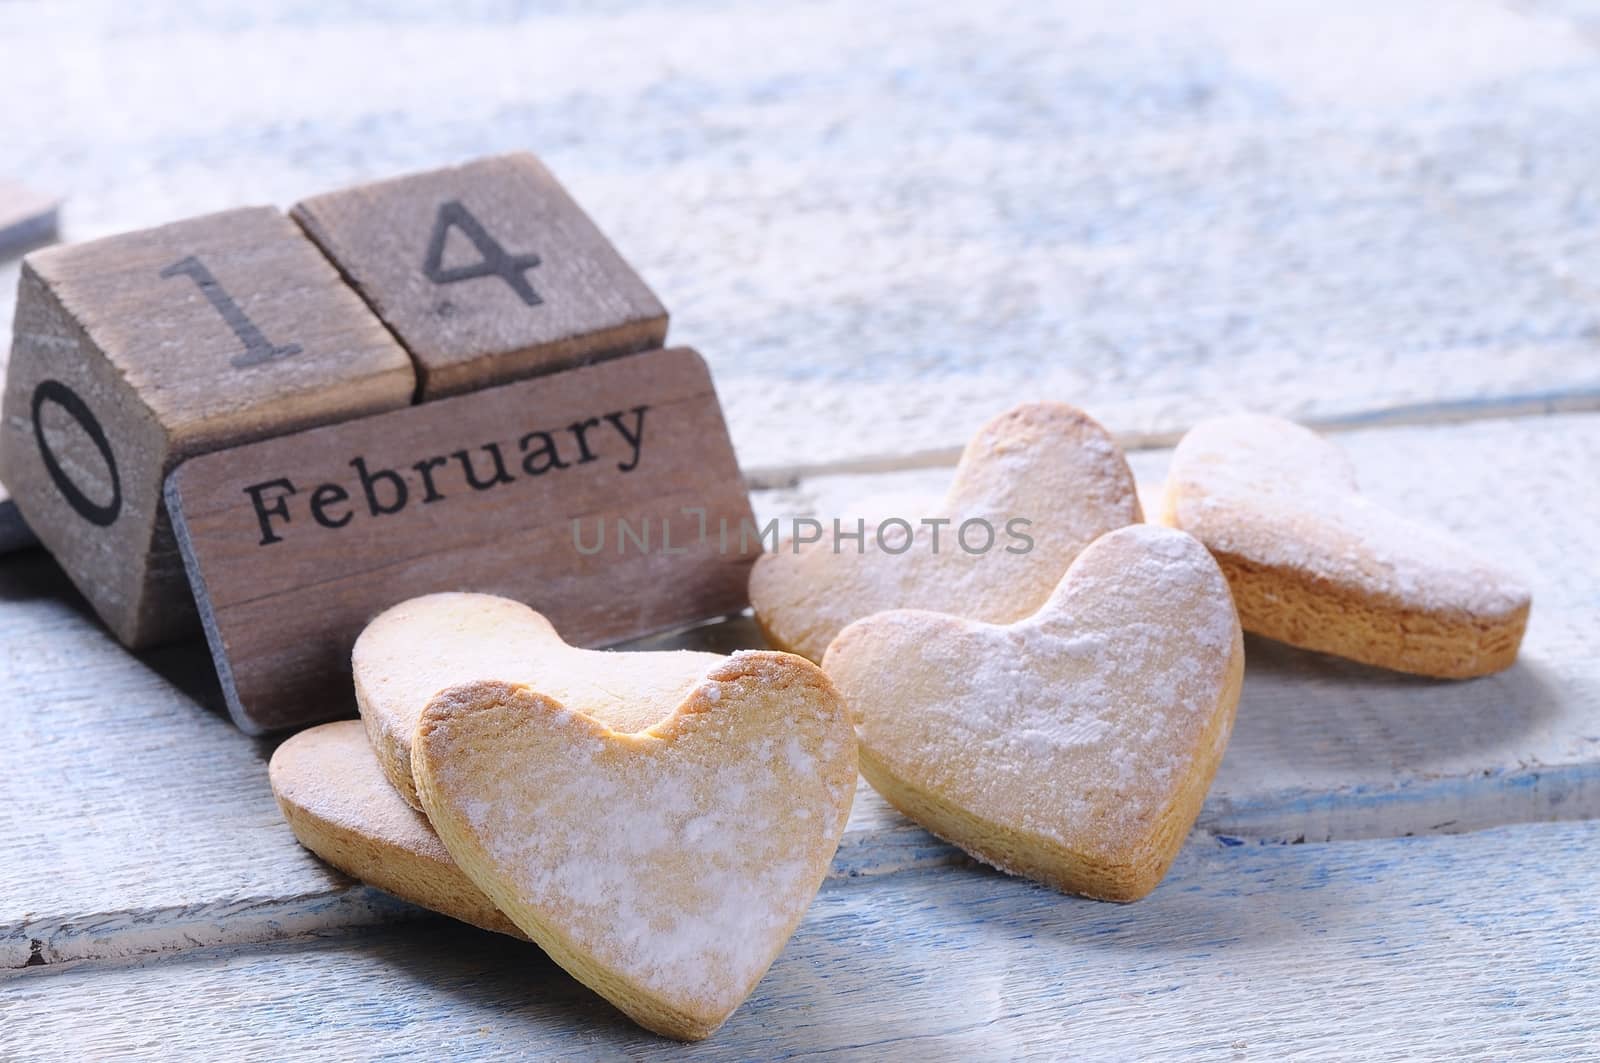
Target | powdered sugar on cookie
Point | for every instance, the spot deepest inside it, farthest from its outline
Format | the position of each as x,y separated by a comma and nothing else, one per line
1079,727
1047,465
675,861
419,647
1277,494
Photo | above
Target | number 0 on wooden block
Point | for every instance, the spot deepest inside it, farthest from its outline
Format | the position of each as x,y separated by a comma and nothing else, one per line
607,497
136,351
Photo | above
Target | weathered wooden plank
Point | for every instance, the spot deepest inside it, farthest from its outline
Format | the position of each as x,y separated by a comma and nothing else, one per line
148,807
542,289
135,818
1174,209
1479,946
141,820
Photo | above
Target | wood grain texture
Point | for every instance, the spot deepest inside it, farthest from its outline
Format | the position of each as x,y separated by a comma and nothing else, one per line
487,272
146,820
886,223
134,352
524,490
912,216
1481,946
1321,749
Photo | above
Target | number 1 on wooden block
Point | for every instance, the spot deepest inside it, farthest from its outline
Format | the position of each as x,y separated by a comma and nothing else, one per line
257,348
118,373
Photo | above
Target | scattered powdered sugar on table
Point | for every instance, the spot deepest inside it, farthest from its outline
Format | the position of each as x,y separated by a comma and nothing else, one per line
1277,494
1077,723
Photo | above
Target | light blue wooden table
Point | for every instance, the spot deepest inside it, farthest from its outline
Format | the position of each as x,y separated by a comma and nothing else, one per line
882,224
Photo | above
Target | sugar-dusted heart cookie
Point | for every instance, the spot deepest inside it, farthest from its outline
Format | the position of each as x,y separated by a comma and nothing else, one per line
665,869
415,649
1314,564
1074,746
338,803
1044,478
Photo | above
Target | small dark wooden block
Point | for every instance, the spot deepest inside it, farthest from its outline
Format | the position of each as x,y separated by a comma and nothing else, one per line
133,352
293,544
14,531
28,218
487,272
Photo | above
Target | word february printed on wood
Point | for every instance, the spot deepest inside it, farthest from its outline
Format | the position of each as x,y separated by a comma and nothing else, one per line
135,352
597,495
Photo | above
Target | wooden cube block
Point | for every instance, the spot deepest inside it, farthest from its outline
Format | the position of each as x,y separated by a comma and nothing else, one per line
136,351
487,272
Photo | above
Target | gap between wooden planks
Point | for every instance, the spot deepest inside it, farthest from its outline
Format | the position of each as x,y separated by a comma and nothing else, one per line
1453,411
1481,946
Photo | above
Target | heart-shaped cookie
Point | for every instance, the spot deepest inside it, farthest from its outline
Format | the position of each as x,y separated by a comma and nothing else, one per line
1045,478
1315,564
1074,746
338,803
666,868
415,649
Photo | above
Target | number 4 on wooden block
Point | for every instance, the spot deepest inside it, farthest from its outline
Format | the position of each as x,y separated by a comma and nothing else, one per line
487,272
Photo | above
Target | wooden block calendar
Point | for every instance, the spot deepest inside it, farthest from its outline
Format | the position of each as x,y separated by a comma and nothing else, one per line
134,352
428,383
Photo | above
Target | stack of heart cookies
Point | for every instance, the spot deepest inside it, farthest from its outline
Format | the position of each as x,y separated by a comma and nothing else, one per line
1060,712
656,822
659,822
1057,712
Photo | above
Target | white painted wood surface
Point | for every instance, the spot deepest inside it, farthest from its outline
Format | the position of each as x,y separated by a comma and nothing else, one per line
882,223
1478,946
156,821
